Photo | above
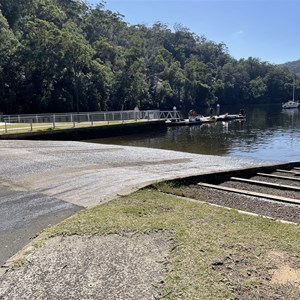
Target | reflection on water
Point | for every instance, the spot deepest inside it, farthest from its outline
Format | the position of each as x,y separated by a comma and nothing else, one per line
268,133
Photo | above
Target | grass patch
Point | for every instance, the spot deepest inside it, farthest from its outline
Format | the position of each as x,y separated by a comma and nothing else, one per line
216,253
25,127
174,188
17,264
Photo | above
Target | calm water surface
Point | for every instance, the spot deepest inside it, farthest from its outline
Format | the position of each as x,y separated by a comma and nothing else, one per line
268,133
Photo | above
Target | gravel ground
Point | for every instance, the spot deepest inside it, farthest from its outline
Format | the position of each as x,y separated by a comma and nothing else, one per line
277,180
262,189
264,207
261,206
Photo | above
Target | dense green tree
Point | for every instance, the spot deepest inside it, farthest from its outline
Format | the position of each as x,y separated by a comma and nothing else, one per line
257,88
58,55
8,47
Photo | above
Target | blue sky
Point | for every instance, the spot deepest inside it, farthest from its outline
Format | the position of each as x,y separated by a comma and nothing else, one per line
266,29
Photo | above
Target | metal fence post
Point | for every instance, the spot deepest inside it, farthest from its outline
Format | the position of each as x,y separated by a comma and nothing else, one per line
5,125
72,119
30,124
53,120
92,120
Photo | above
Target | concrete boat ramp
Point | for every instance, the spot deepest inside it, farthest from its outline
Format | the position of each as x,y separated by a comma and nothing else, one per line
44,182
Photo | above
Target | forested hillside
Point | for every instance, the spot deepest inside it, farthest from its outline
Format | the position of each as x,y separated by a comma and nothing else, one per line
58,56
293,66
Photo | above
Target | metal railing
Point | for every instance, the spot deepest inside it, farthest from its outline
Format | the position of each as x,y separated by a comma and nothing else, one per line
34,122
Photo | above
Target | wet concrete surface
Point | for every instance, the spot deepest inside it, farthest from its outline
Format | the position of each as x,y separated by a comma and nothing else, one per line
43,182
24,214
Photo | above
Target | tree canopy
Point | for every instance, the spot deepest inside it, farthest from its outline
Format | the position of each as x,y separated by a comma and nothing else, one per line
58,56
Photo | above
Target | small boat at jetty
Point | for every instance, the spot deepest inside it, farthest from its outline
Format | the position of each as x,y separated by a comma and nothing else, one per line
184,122
195,119
176,122
229,117
209,119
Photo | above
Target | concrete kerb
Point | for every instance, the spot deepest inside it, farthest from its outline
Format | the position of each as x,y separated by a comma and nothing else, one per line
20,255
210,176
218,177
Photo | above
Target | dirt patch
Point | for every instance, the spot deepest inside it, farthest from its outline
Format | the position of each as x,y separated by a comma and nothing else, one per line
252,275
98,267
286,275
287,269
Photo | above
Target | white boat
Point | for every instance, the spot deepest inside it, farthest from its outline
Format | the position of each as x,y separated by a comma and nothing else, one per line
209,119
182,122
229,117
291,103
194,121
176,122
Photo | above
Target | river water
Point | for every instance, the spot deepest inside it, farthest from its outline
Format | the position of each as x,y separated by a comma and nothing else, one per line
268,133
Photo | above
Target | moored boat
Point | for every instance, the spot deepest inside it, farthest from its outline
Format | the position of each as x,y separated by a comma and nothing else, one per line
184,122
291,103
194,121
229,117
177,122
209,119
